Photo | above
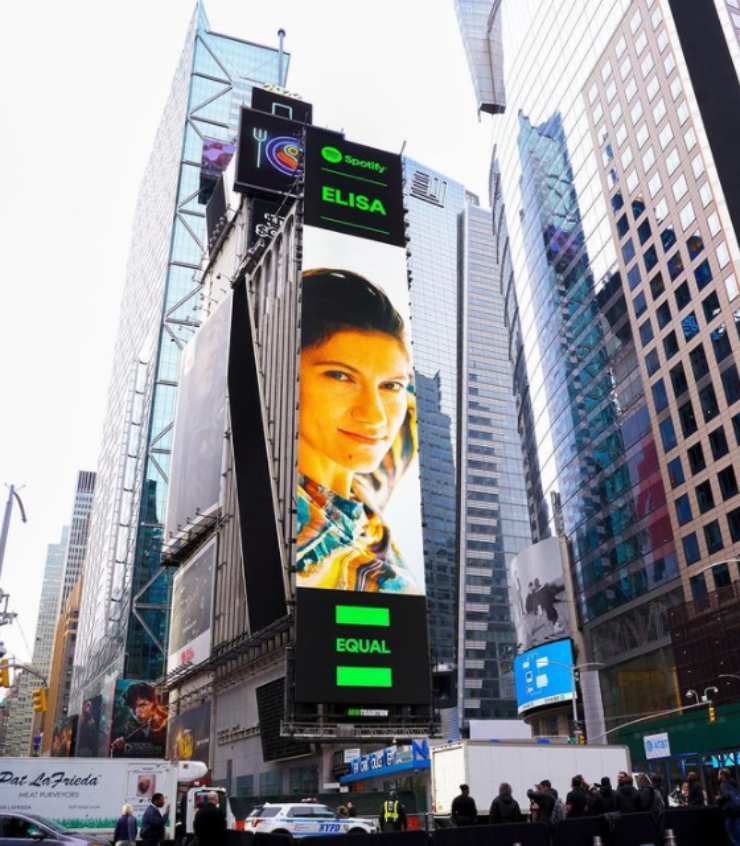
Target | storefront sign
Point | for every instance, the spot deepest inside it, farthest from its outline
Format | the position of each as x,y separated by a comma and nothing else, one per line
657,745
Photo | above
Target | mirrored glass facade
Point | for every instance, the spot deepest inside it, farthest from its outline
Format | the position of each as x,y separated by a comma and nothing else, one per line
616,232
124,610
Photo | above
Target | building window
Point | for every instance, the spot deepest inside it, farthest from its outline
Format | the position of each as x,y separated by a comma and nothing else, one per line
683,510
628,251
710,307
667,434
690,326
713,537
623,226
670,345
639,304
696,458
656,286
668,238
727,483
687,419
644,231
698,587
691,548
699,363
703,275
731,384
718,443
648,159
646,332
660,396
721,343
723,255
652,362
687,216
708,401
733,524
675,265
633,277
679,381
650,257
683,296
675,472
704,497
731,287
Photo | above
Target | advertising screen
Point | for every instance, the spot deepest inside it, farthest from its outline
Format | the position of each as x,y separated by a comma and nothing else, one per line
543,675
269,152
90,734
139,725
189,735
195,470
266,100
63,737
192,603
359,562
538,596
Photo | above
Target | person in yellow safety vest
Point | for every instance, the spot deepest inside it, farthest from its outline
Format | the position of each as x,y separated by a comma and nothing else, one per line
392,814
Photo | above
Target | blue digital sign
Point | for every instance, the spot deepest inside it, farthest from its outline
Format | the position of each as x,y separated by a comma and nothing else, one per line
543,675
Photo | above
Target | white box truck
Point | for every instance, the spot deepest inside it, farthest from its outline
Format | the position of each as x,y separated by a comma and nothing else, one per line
484,764
86,794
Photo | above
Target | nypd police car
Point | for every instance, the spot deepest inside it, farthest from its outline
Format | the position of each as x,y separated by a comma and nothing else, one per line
304,819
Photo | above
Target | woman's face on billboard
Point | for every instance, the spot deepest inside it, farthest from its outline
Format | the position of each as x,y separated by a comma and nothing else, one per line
353,402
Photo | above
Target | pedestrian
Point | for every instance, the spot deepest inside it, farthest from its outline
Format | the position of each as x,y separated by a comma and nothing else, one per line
393,814
209,824
648,798
464,811
351,810
576,802
154,821
504,808
542,802
126,828
729,802
627,801
605,799
696,794
661,787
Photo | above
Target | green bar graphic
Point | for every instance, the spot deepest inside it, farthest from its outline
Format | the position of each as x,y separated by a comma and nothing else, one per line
361,615
364,677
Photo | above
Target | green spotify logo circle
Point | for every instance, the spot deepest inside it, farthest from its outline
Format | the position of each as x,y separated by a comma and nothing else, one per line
331,154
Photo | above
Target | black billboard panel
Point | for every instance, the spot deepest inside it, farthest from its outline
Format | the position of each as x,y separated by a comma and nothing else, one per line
269,153
353,189
360,648
282,106
270,709
189,735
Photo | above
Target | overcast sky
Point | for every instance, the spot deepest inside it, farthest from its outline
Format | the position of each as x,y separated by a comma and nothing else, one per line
83,87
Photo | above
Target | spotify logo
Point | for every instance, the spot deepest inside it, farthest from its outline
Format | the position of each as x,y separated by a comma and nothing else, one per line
331,154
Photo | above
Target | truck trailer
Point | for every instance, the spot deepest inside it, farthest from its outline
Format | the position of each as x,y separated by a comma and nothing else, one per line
485,764
86,795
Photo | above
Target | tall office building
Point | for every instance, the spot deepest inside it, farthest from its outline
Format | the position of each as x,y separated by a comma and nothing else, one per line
124,609
78,534
473,499
20,714
615,198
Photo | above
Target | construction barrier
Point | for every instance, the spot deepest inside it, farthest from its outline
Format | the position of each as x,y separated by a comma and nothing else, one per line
505,834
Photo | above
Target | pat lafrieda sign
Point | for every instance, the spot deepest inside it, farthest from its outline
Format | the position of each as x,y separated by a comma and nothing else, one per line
59,778
354,647
353,189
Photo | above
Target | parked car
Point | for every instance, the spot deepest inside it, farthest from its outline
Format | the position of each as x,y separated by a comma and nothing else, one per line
18,828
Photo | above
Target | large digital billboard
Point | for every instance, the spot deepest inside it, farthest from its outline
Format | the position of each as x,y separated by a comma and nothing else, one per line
192,604
544,675
269,153
361,612
63,737
189,735
139,725
538,595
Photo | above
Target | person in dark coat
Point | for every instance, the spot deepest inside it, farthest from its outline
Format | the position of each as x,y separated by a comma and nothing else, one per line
209,823
154,822
544,800
648,798
576,802
696,794
729,801
126,827
627,800
504,808
464,811
603,799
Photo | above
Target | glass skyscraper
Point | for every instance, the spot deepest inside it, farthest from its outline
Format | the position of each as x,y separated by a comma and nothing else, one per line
124,609
616,220
473,501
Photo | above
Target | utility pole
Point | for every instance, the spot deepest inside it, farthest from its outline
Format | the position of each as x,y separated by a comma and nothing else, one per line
5,615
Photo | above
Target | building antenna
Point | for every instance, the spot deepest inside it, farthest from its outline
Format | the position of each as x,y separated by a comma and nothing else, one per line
281,58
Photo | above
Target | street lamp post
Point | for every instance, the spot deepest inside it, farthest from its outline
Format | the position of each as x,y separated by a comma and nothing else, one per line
574,668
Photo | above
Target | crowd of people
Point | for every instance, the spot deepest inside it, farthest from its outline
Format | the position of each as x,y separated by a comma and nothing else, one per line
586,800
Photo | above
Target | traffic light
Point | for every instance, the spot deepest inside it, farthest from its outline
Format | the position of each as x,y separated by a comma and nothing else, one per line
581,738
38,697
4,673
711,713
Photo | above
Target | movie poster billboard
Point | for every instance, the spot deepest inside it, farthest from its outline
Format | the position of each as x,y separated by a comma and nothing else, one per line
90,733
538,594
195,471
139,725
192,604
189,735
359,559
63,737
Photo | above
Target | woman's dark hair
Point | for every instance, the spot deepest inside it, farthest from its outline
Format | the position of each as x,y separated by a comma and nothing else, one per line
337,300
140,690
